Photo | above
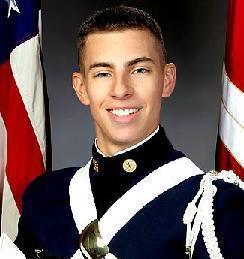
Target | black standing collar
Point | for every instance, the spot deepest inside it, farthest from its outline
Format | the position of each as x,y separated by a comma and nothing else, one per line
112,176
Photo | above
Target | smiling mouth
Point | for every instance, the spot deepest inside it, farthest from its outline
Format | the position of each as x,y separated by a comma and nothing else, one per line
123,112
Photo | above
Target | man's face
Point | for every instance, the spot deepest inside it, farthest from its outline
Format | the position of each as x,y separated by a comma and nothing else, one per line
123,82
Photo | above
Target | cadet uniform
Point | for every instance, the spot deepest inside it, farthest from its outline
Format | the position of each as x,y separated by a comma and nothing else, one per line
139,196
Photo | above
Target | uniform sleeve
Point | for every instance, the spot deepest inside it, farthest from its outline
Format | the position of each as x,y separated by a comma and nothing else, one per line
229,217
46,214
25,239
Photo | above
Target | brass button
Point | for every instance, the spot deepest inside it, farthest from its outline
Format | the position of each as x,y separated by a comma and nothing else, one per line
129,165
95,165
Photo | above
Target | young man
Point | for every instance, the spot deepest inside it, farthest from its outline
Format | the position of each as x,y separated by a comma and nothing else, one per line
130,199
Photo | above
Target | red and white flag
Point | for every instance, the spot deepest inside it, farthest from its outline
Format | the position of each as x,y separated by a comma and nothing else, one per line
22,113
230,143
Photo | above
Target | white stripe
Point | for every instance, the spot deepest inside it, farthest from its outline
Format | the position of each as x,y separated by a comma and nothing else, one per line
232,135
40,27
146,190
81,198
233,99
78,255
3,152
27,71
10,213
82,205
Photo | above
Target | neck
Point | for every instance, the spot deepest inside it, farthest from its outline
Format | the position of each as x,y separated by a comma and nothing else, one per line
113,150
108,150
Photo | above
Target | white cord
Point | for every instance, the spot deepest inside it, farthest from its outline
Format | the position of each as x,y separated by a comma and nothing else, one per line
202,216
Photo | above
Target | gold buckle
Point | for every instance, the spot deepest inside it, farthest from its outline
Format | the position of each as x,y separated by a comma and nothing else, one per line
92,241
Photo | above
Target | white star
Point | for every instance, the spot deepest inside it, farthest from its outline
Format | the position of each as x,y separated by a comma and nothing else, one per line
12,5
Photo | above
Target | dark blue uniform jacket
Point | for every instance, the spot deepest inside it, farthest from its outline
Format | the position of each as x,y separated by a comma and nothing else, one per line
47,227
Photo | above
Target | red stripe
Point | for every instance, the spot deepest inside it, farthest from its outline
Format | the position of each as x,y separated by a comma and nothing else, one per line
226,161
234,52
24,158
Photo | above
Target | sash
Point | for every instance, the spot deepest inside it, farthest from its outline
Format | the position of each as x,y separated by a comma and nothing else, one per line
160,180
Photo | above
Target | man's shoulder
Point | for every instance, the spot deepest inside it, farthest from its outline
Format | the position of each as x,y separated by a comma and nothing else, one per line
52,185
46,214
227,192
224,195
229,196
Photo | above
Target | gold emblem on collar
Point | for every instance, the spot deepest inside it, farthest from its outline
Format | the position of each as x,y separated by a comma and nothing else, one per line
129,165
95,165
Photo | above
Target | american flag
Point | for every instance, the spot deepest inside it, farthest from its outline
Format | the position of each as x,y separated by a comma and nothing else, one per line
22,113
230,144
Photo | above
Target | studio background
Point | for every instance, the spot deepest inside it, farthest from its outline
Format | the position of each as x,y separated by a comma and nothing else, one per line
194,33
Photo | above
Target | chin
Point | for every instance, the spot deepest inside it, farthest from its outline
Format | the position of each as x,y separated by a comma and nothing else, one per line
126,138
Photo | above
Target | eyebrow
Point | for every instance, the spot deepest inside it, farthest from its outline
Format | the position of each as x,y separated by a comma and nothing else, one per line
138,60
128,63
100,64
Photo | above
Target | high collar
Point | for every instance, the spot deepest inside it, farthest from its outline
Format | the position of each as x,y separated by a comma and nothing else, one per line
133,159
129,148
112,177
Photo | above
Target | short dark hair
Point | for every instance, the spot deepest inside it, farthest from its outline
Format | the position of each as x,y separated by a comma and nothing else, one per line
118,18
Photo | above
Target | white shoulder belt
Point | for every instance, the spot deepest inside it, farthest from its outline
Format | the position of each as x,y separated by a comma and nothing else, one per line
83,206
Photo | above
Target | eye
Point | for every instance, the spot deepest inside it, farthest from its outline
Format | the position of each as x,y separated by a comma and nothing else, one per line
103,74
140,70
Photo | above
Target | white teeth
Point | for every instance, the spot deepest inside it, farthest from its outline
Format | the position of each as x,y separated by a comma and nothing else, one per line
123,112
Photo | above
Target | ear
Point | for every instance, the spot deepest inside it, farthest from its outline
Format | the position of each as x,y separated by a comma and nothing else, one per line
169,79
80,88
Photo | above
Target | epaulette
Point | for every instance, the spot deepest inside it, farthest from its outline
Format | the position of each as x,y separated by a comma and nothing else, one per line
201,216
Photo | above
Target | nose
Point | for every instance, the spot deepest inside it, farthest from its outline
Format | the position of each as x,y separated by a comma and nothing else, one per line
121,88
